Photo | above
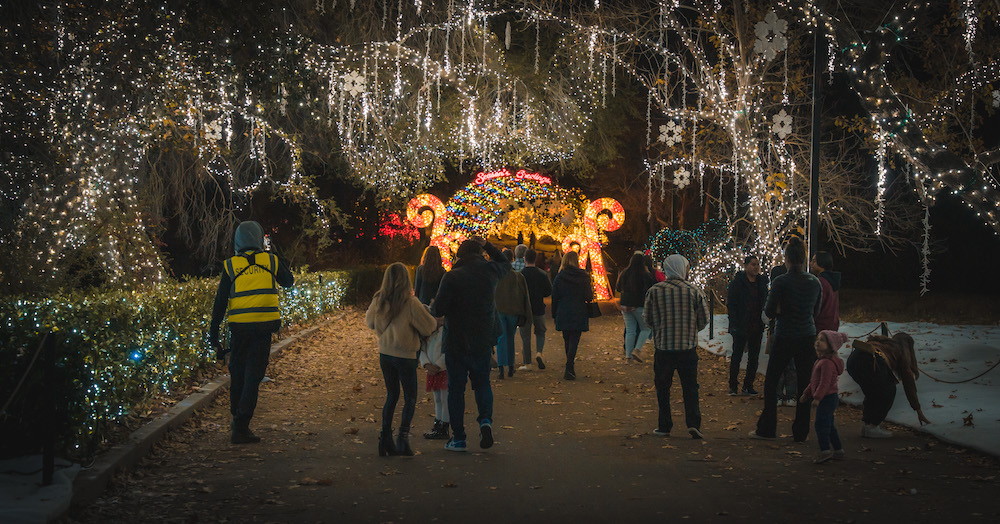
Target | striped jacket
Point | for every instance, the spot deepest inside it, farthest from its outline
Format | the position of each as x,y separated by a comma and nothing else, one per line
676,311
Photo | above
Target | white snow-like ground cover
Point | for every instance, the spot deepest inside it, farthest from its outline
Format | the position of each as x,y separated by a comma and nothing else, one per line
967,414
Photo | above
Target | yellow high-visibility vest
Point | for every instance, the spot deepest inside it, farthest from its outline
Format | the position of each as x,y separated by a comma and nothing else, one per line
253,295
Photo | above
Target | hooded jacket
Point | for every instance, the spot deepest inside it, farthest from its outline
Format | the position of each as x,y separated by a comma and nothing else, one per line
512,298
829,308
571,291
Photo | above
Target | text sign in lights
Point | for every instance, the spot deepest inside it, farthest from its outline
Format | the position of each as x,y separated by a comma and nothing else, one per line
521,174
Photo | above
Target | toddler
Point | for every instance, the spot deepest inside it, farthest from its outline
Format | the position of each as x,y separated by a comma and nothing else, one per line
822,390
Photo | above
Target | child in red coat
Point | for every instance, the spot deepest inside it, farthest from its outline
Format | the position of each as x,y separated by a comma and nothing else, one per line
822,390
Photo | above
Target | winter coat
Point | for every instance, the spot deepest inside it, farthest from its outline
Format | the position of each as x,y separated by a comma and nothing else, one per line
829,309
825,374
512,298
400,336
425,289
571,291
465,298
794,301
633,294
742,319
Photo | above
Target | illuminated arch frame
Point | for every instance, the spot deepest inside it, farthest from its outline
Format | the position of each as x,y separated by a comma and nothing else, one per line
452,224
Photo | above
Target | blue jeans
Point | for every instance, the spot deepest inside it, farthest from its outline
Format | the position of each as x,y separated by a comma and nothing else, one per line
505,344
636,330
826,432
800,350
538,321
685,363
251,349
463,367
398,372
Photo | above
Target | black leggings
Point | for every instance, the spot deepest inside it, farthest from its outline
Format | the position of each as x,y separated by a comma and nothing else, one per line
877,383
398,372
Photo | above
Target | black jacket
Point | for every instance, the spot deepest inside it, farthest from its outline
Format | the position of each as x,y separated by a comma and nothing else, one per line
425,289
741,319
465,298
571,291
633,294
539,287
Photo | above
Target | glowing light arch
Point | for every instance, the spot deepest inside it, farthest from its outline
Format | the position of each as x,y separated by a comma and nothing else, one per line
502,202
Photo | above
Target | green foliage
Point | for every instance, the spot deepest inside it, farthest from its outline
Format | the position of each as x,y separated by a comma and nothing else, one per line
118,349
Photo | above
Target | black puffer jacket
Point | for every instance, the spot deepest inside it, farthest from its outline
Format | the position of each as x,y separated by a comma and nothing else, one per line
741,318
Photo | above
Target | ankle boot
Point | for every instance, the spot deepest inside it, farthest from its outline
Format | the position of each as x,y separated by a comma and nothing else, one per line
385,446
403,443
432,434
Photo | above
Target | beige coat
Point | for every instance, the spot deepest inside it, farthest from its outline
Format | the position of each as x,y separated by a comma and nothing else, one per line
400,337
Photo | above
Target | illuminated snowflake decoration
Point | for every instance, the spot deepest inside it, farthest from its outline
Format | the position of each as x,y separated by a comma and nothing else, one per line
670,134
771,38
996,98
682,178
354,83
782,124
213,131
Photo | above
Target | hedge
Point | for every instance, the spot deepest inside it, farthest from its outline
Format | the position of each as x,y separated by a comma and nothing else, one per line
118,349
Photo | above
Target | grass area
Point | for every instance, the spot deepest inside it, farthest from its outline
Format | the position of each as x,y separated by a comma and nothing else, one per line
867,305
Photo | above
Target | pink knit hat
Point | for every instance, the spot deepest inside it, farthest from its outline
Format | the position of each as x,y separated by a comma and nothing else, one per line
834,338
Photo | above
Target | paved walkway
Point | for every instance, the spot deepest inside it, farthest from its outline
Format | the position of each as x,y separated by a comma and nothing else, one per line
578,451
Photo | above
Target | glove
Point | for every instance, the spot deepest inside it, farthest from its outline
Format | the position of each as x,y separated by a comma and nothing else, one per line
220,352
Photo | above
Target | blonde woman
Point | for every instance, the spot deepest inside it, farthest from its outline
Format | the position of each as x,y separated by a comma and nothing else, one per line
399,320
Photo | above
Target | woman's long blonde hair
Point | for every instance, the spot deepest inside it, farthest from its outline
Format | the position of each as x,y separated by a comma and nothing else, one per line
571,259
395,292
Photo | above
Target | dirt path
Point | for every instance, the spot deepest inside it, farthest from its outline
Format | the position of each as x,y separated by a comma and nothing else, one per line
578,451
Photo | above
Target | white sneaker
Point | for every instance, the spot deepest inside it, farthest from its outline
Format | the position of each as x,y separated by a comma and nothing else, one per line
871,431
526,367
791,403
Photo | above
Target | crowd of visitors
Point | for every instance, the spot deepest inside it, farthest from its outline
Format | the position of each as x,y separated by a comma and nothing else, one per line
452,323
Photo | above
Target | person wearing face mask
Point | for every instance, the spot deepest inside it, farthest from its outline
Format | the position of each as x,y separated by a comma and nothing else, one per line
745,301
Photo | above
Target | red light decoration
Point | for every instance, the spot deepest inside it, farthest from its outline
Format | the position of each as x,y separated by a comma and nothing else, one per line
521,174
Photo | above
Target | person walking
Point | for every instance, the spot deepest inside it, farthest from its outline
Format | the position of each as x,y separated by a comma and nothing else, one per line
555,264
518,261
745,303
828,318
676,311
571,291
877,366
793,302
822,391
399,320
632,285
539,287
433,361
466,300
514,308
248,297
428,275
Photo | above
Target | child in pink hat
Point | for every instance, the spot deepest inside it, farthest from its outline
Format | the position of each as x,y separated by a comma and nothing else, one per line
822,390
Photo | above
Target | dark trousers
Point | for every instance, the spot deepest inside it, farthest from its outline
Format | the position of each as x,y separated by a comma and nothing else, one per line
462,368
826,431
787,349
877,383
751,343
538,321
572,341
398,372
251,349
685,363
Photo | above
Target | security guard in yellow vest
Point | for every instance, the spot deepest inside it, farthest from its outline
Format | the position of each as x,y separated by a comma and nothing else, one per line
248,291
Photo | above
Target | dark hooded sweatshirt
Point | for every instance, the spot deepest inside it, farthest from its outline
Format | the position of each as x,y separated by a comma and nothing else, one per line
466,299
